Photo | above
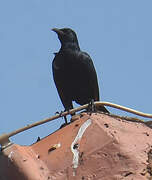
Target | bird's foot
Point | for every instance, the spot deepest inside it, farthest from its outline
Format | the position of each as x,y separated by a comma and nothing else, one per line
91,107
59,113
66,121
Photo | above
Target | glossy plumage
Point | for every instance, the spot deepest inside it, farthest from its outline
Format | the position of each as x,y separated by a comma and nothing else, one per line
73,72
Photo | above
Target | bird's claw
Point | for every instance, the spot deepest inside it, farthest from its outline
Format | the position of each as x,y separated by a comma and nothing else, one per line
59,113
91,107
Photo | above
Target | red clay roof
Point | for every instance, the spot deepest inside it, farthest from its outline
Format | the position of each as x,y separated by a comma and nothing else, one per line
91,148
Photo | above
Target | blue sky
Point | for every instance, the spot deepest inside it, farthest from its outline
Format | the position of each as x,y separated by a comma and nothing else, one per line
117,35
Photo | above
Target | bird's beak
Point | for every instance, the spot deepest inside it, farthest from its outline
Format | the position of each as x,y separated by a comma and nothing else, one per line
58,31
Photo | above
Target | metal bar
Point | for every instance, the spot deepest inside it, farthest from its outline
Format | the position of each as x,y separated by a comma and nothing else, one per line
5,137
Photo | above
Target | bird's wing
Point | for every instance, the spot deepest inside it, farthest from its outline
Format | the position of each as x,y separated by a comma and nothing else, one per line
60,82
90,72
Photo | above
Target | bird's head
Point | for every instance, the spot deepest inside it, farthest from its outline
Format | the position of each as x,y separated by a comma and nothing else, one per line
66,35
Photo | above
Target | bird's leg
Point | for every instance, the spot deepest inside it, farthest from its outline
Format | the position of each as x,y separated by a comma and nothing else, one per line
65,118
66,121
91,106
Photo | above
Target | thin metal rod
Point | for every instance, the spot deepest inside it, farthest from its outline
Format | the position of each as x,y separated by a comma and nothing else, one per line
75,110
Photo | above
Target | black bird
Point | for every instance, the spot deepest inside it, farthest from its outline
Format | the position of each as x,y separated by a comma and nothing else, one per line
74,73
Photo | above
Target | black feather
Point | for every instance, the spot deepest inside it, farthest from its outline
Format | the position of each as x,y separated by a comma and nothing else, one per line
74,73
